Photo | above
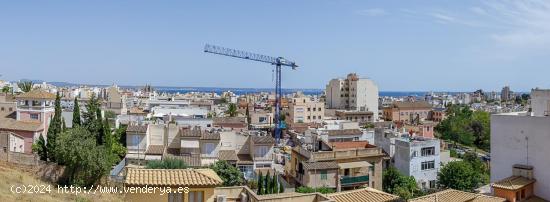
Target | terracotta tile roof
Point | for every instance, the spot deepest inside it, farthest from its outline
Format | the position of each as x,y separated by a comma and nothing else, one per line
263,140
345,132
244,159
36,94
137,129
155,150
173,177
12,124
412,105
228,155
233,120
456,196
513,183
350,145
191,132
210,136
321,165
363,195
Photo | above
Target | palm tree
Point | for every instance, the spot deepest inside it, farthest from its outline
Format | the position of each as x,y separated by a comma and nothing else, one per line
6,89
25,86
232,110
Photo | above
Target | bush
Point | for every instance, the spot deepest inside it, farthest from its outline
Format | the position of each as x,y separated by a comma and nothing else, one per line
167,163
323,190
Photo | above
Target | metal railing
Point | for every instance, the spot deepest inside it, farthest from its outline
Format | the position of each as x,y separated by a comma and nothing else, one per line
346,180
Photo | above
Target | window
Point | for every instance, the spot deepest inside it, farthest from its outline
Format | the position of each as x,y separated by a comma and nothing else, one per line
299,109
324,175
36,103
314,109
428,151
34,116
196,196
261,151
208,148
427,165
2,109
308,117
432,184
10,109
175,197
319,117
308,109
319,108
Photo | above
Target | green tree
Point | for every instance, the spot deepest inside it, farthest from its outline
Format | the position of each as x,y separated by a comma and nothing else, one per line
230,175
268,183
76,114
6,89
25,86
85,161
466,127
167,163
274,184
55,127
260,184
281,188
40,148
458,175
396,183
231,110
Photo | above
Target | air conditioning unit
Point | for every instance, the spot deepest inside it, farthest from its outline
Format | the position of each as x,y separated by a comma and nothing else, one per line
221,198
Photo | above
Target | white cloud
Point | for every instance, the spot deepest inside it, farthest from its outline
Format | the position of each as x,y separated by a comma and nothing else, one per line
372,12
527,22
444,18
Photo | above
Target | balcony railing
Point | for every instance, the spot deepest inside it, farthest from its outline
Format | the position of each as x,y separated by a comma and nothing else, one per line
345,180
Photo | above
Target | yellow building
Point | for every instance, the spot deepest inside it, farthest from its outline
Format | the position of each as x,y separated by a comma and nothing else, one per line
177,185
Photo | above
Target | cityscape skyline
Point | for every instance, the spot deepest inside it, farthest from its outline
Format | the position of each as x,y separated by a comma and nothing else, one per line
438,46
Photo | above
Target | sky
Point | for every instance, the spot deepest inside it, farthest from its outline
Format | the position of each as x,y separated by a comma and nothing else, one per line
439,45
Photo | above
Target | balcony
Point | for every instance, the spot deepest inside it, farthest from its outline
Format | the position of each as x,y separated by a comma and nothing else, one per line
348,181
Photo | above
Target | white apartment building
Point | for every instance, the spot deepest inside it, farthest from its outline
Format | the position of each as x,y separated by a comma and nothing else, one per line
418,157
303,109
523,138
352,93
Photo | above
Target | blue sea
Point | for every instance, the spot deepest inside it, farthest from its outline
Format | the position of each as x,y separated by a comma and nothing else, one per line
244,91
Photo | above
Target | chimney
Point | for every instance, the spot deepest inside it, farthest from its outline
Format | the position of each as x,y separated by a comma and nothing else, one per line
523,171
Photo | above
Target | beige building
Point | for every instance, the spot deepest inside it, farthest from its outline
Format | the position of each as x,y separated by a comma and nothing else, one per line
353,93
339,165
407,111
304,110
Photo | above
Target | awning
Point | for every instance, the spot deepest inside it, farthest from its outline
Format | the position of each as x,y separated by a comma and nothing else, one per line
190,144
357,164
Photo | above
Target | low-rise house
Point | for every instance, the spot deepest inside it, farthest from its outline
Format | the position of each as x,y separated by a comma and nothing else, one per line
407,111
361,117
193,185
234,123
415,156
339,165
33,113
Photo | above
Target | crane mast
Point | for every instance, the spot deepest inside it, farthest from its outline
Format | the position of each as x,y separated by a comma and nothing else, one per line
279,62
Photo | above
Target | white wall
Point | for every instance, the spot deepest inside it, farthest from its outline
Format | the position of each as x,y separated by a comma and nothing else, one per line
509,146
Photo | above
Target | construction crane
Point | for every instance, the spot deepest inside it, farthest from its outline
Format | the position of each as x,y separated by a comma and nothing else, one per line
279,62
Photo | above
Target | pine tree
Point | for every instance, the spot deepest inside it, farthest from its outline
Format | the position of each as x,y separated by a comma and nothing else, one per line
274,184
260,184
76,114
63,126
281,188
268,183
40,148
101,129
54,129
